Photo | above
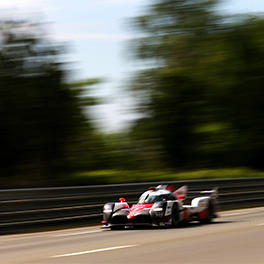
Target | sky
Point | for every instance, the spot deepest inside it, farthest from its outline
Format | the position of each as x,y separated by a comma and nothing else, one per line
96,34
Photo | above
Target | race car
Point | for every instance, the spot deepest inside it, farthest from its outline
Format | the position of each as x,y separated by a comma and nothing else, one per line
161,206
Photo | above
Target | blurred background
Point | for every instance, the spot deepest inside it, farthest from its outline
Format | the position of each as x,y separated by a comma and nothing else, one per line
129,91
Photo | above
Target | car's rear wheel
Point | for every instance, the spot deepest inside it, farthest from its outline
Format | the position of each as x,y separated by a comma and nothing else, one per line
210,216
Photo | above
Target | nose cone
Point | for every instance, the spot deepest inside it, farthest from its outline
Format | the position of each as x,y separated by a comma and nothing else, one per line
136,208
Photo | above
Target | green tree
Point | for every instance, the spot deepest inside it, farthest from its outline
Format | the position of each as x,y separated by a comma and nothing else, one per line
201,98
234,65
173,32
41,115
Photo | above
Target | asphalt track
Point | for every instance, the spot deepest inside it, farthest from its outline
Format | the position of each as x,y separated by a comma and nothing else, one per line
235,237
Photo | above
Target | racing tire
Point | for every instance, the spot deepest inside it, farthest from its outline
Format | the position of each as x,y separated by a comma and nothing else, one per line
211,213
175,216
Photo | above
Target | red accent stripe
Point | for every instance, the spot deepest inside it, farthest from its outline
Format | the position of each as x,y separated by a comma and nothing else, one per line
185,215
136,208
203,214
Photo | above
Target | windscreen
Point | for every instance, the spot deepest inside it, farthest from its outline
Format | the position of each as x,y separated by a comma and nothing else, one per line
151,197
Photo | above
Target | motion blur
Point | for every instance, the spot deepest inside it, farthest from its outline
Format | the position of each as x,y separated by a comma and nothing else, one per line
200,100
203,99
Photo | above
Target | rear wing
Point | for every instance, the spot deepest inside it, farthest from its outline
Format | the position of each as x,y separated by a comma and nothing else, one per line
181,193
212,193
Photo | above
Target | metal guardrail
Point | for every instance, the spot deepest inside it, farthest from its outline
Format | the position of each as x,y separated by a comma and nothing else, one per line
42,207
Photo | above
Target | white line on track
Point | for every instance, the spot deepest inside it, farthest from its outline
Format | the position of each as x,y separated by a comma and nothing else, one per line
92,251
78,233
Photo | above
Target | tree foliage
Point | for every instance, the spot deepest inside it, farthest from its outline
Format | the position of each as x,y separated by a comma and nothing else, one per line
202,99
41,114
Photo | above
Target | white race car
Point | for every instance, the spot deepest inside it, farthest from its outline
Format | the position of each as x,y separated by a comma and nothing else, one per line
161,206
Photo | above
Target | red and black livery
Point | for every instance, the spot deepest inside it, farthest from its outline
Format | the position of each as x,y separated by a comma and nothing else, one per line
161,206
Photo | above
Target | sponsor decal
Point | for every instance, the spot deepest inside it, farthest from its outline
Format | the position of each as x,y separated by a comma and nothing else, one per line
137,208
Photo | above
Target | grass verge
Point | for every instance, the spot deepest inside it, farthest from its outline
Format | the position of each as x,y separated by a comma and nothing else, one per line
129,176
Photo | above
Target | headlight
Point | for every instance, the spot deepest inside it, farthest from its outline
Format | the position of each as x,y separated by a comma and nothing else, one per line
107,211
108,208
158,209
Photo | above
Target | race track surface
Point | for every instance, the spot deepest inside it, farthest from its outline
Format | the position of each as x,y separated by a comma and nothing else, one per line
236,237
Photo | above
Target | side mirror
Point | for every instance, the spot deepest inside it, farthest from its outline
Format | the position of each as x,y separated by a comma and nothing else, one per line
122,200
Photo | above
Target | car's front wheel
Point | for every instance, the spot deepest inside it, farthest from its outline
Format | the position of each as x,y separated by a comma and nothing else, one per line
175,216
